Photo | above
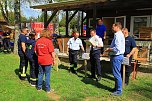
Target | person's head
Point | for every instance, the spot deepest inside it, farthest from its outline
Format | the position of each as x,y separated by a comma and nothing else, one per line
45,33
32,36
125,32
117,26
24,30
92,32
100,22
76,34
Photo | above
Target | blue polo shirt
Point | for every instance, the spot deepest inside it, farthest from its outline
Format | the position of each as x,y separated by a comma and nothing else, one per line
22,38
100,30
129,44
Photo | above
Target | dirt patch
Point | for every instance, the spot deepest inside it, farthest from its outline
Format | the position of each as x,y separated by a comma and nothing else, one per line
54,96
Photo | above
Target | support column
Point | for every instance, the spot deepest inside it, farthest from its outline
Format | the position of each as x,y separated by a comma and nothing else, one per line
67,23
94,17
82,20
45,18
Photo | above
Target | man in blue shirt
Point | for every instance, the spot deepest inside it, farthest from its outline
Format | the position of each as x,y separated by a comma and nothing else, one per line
116,52
21,52
130,48
101,31
74,45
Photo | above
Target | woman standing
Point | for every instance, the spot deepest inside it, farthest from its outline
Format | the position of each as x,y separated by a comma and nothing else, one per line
46,56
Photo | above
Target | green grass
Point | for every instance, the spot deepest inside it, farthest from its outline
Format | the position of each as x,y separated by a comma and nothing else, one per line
69,87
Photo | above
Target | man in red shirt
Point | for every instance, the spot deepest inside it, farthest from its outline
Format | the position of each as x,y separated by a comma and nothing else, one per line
46,56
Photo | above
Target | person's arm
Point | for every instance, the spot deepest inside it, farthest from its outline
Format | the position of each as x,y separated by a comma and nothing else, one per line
23,46
132,52
53,56
105,33
133,44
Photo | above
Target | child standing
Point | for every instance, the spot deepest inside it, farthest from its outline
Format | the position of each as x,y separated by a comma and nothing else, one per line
30,44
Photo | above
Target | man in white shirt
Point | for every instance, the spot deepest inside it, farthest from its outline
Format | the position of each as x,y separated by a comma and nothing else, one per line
74,45
95,51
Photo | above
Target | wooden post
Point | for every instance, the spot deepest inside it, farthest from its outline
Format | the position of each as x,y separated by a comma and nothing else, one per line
94,17
124,70
85,66
82,23
87,25
45,18
67,23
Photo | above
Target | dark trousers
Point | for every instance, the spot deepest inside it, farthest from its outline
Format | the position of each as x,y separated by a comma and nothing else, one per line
6,43
95,62
127,71
73,57
23,66
33,70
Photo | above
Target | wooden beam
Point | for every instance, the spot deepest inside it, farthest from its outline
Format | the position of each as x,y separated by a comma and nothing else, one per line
51,18
67,23
45,19
72,16
82,23
94,17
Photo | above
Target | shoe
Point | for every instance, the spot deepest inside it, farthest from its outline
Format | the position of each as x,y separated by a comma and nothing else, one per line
98,78
33,85
116,93
39,89
49,91
91,76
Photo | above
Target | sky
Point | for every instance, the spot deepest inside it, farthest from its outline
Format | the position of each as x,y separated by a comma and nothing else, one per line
29,12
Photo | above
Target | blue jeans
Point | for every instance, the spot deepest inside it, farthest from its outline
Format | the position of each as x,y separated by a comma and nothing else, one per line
116,68
47,71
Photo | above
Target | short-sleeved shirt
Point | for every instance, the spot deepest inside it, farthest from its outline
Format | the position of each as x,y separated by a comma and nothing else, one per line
75,44
129,44
100,30
22,39
44,48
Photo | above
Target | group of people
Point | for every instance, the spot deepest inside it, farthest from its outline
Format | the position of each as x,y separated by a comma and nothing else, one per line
121,46
40,54
5,37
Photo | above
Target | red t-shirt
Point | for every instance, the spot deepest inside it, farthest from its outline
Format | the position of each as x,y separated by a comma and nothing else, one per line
44,47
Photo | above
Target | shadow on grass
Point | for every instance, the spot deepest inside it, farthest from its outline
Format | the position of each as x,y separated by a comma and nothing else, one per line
145,69
97,84
17,73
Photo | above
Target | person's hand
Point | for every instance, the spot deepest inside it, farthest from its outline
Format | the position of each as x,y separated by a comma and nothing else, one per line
128,55
104,37
107,50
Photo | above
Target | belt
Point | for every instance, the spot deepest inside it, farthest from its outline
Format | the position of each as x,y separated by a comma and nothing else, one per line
116,55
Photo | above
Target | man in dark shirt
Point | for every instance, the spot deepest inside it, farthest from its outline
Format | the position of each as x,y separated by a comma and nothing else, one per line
101,32
21,52
6,41
130,47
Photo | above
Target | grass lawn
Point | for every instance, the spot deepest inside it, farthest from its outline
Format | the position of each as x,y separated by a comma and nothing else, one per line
69,87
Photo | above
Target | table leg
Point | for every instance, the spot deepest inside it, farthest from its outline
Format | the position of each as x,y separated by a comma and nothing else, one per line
123,80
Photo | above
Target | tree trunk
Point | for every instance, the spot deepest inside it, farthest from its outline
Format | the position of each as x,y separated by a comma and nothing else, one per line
17,24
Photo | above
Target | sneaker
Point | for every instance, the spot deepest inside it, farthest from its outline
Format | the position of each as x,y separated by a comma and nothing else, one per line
49,91
98,78
116,93
39,89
